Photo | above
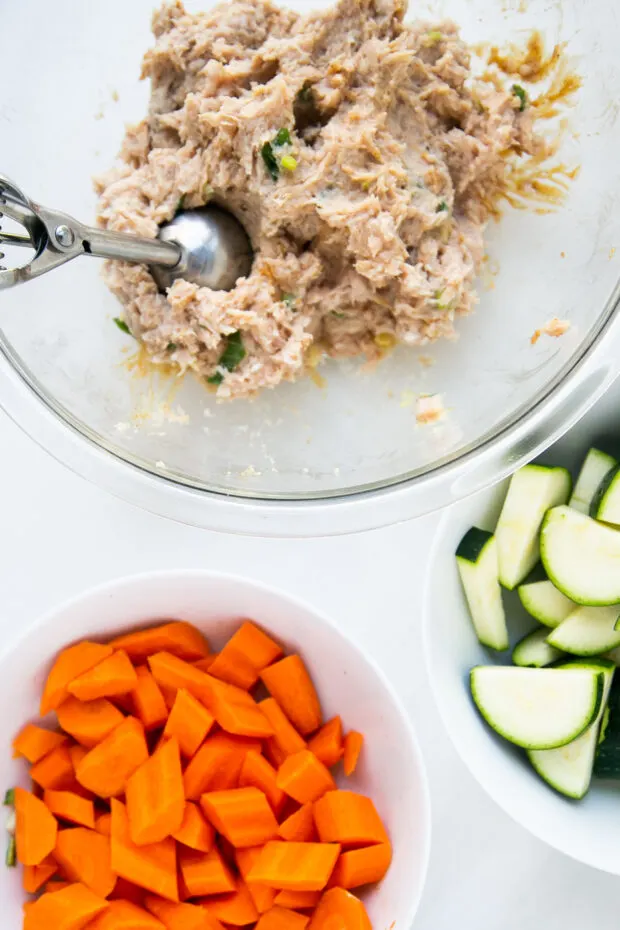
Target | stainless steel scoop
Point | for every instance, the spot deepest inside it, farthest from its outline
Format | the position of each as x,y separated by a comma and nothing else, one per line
207,246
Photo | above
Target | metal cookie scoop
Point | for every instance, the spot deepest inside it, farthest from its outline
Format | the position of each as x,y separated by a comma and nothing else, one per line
207,246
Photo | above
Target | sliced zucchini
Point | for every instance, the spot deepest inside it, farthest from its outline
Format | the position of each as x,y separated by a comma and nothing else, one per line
607,761
569,768
596,465
533,651
476,558
588,631
533,490
605,504
537,708
613,655
543,601
581,557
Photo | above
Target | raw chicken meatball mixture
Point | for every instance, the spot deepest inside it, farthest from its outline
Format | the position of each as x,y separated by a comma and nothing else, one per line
358,151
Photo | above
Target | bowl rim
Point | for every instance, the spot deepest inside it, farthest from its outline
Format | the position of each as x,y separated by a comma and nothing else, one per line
140,579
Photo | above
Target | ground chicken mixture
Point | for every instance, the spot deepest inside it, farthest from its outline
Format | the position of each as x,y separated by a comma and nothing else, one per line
358,151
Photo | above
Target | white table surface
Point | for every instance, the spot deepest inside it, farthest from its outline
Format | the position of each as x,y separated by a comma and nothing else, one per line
60,535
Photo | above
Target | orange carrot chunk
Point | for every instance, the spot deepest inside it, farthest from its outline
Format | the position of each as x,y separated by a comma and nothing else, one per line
285,740
349,819
353,743
114,675
256,772
171,672
244,656
35,876
55,770
327,744
290,684
339,908
69,664
205,664
205,873
34,742
56,884
148,701
357,867
262,896
103,824
242,815
127,891
233,668
189,722
178,638
124,915
84,856
88,722
71,908
181,916
304,778
77,753
35,828
298,900
295,866
153,867
299,827
107,768
155,797
217,764
236,909
70,806
195,831
282,918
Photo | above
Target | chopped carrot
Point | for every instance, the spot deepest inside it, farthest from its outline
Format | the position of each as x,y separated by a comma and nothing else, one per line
107,768
127,891
69,664
148,701
339,908
103,824
178,638
217,764
205,873
70,806
242,815
353,743
71,908
152,867
233,668
88,722
124,915
56,884
349,819
205,664
295,866
189,722
55,770
77,753
236,909
114,675
262,896
290,684
35,828
298,900
171,672
357,867
304,778
155,797
256,772
299,827
282,918
34,742
244,656
181,916
285,740
195,831
84,856
169,695
327,744
35,876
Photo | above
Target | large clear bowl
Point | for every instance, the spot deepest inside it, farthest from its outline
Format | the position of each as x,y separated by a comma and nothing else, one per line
305,459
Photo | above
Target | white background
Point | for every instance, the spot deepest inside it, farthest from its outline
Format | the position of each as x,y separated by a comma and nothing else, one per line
60,536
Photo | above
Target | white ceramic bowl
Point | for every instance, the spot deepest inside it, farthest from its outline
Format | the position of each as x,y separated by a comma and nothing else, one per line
391,769
587,830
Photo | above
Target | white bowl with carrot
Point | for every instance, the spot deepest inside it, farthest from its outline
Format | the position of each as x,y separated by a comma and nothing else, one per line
194,752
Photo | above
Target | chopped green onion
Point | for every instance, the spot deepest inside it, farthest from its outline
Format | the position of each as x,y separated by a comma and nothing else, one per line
289,300
270,161
217,378
233,354
288,162
339,316
441,206
434,37
171,347
122,325
519,92
11,853
9,798
282,137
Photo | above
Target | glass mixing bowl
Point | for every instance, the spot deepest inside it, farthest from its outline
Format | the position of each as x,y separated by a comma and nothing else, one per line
305,459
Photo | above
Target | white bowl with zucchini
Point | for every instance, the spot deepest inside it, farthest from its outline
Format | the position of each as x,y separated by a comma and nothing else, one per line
522,635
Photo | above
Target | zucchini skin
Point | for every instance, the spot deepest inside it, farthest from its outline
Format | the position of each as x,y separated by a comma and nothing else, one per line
602,490
607,759
472,544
